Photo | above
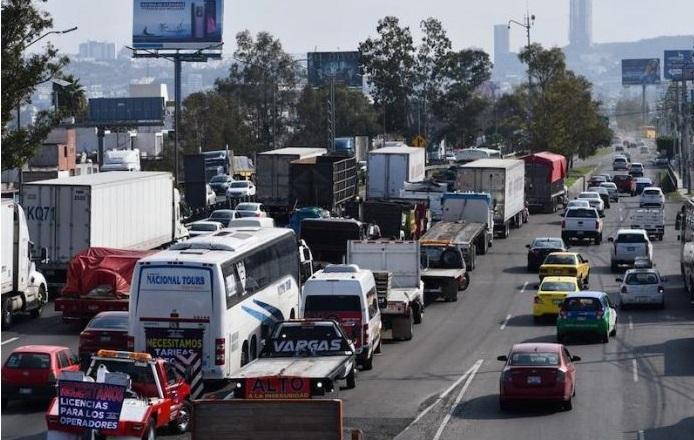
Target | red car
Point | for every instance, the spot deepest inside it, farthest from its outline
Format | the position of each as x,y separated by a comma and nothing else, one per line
625,183
31,371
107,330
538,372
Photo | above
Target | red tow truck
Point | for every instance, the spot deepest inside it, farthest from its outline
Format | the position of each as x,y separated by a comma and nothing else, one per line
98,280
157,397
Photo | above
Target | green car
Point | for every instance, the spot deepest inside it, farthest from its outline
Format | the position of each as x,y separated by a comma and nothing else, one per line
587,312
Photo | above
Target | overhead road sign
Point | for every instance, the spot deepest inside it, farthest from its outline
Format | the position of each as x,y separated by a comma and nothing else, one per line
677,62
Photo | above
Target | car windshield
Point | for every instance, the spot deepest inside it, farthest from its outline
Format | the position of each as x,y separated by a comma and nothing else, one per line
640,278
313,339
109,322
631,238
332,303
599,190
534,359
26,361
560,259
225,215
246,207
203,227
547,244
608,185
582,213
589,195
558,286
645,182
218,179
140,374
239,185
651,192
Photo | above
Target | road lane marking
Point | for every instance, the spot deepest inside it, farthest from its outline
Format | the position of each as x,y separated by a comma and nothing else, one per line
446,419
503,324
9,340
525,286
631,323
635,370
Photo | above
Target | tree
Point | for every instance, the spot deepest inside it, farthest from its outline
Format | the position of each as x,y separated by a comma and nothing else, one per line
431,55
72,100
22,25
389,62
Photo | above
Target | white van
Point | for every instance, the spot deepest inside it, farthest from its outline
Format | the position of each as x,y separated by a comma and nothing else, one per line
347,294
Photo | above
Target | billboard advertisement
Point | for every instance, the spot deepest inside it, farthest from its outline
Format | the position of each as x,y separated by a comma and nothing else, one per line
640,71
177,24
677,62
342,67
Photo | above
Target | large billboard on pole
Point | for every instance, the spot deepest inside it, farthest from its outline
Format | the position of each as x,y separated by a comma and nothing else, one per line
679,65
340,67
177,24
640,71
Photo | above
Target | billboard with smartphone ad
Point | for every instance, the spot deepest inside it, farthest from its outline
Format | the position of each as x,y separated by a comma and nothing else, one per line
177,24
640,71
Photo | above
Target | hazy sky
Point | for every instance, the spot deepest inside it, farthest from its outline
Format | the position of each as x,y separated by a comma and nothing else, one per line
305,25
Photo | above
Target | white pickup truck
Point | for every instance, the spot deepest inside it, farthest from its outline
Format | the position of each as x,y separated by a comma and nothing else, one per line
581,224
652,220
629,244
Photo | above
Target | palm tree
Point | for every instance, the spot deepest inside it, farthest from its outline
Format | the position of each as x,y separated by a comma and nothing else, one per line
72,99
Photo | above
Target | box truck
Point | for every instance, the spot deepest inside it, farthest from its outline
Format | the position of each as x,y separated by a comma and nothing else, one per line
118,209
390,167
504,180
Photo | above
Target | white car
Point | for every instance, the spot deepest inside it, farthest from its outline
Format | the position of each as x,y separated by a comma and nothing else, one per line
211,196
652,197
641,286
223,216
240,188
604,194
629,244
250,210
611,190
594,200
577,204
203,227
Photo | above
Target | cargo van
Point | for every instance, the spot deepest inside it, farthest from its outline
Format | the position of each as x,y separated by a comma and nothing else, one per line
347,294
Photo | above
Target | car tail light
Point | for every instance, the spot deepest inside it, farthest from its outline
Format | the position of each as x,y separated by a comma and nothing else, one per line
597,225
661,289
600,313
131,343
537,300
561,376
365,334
219,351
87,335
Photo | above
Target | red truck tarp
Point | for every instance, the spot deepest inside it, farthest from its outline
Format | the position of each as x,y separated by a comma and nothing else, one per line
556,162
102,272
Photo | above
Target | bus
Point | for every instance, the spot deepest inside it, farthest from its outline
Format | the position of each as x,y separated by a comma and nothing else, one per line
685,227
206,303
470,154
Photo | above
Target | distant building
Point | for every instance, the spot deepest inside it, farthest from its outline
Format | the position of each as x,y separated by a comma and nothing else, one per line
193,83
98,50
502,44
581,24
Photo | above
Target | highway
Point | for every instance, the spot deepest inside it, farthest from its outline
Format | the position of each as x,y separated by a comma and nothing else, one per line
444,383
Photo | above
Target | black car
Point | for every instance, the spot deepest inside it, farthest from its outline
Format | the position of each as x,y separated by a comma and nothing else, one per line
540,248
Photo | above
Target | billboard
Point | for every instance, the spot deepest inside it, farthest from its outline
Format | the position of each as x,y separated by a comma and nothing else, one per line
677,61
343,67
115,111
177,24
640,71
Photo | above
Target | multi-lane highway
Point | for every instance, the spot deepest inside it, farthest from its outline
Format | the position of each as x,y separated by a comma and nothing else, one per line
444,383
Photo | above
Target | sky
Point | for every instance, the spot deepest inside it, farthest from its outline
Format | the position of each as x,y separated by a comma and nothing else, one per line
308,25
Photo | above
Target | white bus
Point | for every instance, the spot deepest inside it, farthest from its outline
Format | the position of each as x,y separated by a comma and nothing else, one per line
212,298
470,154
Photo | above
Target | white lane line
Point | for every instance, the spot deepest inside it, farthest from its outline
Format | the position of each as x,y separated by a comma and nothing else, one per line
503,324
441,397
635,370
641,435
446,419
631,323
9,340
525,286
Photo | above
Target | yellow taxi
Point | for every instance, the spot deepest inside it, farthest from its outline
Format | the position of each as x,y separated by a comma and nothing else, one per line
566,264
551,294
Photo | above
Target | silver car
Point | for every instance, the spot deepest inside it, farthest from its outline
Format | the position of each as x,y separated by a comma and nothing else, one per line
642,286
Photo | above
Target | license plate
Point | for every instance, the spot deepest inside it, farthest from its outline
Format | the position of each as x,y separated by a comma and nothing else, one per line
534,380
557,272
580,318
25,391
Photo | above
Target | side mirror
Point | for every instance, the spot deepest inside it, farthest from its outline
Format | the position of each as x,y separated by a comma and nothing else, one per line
536,286
502,358
585,260
619,280
575,358
527,246
610,239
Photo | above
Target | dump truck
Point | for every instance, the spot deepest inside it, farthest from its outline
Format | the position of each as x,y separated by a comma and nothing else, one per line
545,174
324,181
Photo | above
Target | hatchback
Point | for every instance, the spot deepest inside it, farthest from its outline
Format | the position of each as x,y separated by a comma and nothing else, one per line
240,188
642,183
107,330
652,197
31,371
636,169
203,227
641,286
220,183
587,312
537,372
620,164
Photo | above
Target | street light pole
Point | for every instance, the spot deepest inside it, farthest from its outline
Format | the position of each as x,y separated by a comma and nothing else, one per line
527,24
65,31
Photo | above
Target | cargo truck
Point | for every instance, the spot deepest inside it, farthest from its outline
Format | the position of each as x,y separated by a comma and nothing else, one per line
545,173
24,289
504,180
119,209
324,181
273,179
401,300
390,167
474,209
327,238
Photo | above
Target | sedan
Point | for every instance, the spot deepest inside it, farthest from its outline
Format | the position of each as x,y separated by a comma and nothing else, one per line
540,248
625,183
603,192
570,264
538,372
220,183
636,169
641,286
612,190
250,210
211,196
223,216
551,294
642,183
31,372
577,204
203,227
107,330
594,200
240,188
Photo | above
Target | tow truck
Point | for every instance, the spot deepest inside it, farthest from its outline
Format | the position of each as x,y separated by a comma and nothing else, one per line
156,398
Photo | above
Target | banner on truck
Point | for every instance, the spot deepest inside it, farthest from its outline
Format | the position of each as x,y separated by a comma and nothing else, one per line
89,405
182,347
177,24
640,71
340,67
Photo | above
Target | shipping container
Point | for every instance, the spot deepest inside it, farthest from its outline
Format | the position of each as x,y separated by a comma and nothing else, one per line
545,173
390,167
324,181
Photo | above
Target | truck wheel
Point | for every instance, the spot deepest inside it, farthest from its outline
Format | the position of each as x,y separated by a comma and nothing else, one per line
465,285
352,379
484,244
507,229
418,313
244,355
151,431
182,422
7,313
42,299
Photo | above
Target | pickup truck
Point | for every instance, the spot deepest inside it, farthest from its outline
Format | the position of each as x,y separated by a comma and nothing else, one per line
157,397
303,358
629,244
652,220
581,224
444,274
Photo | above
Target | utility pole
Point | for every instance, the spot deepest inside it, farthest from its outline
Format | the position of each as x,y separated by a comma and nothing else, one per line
527,24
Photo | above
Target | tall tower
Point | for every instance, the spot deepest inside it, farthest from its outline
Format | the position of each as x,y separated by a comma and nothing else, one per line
501,44
581,24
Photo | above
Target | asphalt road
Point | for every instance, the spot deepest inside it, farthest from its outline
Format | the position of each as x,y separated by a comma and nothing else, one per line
444,383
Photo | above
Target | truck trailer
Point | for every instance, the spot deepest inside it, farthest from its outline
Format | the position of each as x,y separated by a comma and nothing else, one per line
324,181
390,167
545,173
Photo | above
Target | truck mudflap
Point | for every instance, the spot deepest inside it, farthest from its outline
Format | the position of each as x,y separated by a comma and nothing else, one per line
86,308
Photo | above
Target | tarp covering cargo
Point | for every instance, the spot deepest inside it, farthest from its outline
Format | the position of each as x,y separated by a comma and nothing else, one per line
556,162
102,272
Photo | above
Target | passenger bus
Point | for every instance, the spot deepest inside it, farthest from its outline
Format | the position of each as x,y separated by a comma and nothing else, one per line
213,298
470,154
685,226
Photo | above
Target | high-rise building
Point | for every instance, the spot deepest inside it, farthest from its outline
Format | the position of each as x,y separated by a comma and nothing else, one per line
581,24
97,50
501,44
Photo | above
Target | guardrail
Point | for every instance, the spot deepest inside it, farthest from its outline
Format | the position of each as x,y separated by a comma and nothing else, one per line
670,181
